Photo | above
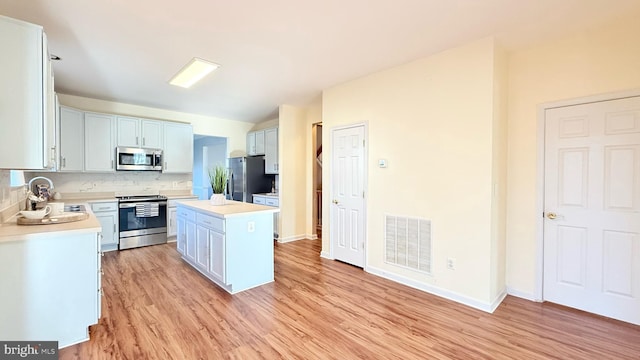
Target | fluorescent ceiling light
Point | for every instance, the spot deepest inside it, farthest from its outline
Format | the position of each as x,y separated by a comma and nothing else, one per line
195,70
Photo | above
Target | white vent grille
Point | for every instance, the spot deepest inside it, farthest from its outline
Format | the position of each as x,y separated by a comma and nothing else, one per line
408,242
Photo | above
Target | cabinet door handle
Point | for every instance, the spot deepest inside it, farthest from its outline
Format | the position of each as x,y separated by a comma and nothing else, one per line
114,228
136,140
144,141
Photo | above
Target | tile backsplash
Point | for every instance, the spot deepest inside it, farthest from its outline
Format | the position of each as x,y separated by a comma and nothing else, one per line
129,182
9,196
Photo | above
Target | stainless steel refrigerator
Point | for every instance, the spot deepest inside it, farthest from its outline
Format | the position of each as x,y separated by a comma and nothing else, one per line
247,177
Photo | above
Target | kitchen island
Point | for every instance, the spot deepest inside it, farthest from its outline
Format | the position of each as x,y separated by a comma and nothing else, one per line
231,244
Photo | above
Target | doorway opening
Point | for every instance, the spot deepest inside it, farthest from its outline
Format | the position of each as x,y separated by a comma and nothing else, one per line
208,151
316,132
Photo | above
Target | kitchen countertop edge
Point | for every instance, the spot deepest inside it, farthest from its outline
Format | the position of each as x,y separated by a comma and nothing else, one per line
10,231
230,209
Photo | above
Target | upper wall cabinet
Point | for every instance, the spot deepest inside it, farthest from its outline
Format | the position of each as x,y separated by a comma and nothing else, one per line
71,140
134,132
99,139
25,94
178,148
271,165
255,143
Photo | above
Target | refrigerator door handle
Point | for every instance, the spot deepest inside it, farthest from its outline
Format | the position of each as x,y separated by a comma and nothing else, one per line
233,186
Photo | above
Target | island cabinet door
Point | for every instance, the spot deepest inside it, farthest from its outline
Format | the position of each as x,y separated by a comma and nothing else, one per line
202,248
191,241
217,256
181,235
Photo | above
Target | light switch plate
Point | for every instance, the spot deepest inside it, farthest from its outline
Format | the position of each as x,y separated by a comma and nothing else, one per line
382,163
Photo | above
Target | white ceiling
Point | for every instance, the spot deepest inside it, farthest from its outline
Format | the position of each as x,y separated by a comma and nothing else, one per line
272,52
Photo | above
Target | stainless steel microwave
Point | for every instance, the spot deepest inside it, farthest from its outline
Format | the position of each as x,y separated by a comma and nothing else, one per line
128,158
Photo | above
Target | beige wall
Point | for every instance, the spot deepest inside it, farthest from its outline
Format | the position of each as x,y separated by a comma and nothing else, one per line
499,175
598,60
292,147
432,119
234,131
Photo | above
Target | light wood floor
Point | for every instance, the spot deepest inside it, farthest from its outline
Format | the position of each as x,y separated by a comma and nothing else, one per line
156,307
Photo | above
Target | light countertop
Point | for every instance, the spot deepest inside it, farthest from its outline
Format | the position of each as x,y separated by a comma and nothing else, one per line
11,231
231,208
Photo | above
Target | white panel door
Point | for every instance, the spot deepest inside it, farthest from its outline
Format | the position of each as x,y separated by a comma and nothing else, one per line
347,195
592,208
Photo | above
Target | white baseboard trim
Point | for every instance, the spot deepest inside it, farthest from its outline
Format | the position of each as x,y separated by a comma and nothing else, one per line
326,255
521,294
450,295
292,238
498,300
312,237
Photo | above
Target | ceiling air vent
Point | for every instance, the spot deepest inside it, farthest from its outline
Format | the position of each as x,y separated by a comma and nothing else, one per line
408,242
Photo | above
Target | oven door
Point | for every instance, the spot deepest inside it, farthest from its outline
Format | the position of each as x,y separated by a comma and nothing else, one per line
142,218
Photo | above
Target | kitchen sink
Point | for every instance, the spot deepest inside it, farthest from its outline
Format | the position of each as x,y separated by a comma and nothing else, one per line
75,209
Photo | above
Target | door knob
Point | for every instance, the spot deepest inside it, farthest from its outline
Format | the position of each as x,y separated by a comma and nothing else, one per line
335,202
552,216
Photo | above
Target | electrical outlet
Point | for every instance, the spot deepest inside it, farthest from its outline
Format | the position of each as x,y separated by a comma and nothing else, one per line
251,226
451,263
175,184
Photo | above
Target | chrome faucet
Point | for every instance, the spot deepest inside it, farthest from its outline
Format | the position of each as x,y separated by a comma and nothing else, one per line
31,198
40,178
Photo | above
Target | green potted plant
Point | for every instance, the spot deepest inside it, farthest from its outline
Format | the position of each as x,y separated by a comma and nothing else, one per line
218,178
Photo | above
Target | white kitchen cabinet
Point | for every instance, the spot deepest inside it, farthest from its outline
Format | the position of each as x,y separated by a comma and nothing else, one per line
128,130
217,255
107,215
191,241
178,148
51,122
270,200
202,247
151,134
181,234
187,233
135,132
172,214
271,151
99,138
71,140
24,90
57,296
172,222
255,143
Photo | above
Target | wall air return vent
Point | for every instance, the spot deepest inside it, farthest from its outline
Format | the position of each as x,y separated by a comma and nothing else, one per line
408,242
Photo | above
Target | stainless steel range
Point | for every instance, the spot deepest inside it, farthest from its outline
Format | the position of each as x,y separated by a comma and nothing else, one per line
143,220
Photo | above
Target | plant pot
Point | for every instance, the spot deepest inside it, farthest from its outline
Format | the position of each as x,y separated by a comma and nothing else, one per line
217,199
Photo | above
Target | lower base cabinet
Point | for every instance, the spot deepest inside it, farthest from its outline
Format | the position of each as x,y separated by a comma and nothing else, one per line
107,215
56,297
232,254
